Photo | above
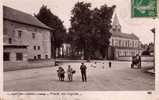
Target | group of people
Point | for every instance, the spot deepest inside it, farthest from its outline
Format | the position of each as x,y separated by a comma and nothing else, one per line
70,72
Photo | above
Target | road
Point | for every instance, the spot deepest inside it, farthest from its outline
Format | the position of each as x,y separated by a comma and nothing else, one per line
102,78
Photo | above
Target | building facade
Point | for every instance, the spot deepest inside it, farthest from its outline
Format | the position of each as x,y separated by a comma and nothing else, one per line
24,37
64,51
122,44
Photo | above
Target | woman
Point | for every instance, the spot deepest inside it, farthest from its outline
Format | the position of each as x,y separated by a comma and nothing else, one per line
69,73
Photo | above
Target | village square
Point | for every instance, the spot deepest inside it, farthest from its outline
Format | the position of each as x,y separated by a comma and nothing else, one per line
93,54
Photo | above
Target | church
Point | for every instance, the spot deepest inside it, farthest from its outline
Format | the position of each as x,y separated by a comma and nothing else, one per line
122,44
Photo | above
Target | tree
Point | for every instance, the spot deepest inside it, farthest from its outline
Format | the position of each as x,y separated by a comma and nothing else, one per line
90,29
79,30
148,49
101,25
59,32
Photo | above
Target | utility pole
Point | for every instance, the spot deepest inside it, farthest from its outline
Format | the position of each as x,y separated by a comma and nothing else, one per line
153,30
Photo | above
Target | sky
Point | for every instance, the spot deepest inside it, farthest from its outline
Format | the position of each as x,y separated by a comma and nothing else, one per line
62,8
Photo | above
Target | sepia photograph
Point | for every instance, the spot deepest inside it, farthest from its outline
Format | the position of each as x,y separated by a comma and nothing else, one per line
79,45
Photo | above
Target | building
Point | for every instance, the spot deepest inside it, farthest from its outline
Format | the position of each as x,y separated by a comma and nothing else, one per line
122,44
65,50
24,37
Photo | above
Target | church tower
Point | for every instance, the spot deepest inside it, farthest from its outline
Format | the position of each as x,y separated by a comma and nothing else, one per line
116,27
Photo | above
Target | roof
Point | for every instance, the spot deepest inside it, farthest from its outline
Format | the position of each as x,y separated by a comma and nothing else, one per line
124,35
22,17
115,21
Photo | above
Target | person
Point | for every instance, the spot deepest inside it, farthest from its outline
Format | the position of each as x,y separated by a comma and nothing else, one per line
110,64
69,72
83,72
61,73
103,66
58,73
139,62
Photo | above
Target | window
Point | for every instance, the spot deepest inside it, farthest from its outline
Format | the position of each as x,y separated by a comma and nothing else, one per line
6,56
19,56
34,57
128,43
119,43
38,47
34,47
46,56
132,43
10,41
39,56
33,35
112,42
19,34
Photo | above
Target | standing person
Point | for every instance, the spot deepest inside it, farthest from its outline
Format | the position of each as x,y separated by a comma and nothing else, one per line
139,61
83,72
58,73
69,72
62,74
110,64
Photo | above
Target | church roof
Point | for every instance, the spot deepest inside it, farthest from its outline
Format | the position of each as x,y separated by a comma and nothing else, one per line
115,21
116,31
22,17
124,35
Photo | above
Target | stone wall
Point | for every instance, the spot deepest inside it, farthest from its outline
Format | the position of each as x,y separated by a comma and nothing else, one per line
12,66
42,38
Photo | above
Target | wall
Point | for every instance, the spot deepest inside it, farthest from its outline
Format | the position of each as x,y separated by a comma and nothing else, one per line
143,58
42,38
13,52
114,41
146,61
12,66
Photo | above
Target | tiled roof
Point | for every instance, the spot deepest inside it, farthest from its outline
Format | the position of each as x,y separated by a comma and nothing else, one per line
124,35
22,17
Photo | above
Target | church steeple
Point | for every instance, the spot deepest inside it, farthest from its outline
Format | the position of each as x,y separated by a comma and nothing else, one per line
116,27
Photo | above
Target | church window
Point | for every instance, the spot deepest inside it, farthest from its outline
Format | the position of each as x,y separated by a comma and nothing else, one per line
119,43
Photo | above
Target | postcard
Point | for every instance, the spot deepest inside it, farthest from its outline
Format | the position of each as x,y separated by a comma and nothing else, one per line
80,49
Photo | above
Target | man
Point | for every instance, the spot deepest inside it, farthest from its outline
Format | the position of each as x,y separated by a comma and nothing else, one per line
110,64
83,72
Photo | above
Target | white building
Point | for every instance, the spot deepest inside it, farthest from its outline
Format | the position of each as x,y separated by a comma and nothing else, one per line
122,44
24,37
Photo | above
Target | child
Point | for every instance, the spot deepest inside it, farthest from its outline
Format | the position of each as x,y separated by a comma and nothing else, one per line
61,73
69,72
